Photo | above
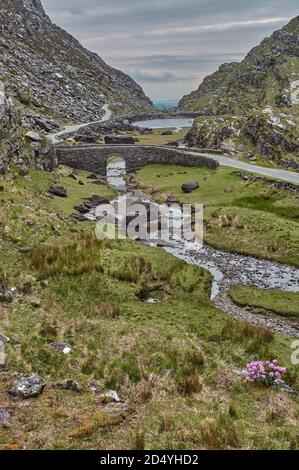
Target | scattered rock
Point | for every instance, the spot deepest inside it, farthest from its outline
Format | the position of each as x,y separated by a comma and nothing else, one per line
5,417
92,176
35,303
86,139
6,294
58,191
79,218
279,383
28,223
69,384
3,168
27,387
4,339
97,200
109,396
189,187
170,200
82,209
34,136
119,140
165,244
274,183
25,249
62,347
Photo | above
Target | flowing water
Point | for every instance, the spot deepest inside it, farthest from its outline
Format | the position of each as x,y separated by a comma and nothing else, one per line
226,268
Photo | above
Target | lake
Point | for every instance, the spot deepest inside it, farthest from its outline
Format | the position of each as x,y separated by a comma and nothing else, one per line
165,123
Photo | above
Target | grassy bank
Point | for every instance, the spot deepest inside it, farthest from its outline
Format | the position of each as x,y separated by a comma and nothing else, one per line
282,303
156,137
172,362
245,217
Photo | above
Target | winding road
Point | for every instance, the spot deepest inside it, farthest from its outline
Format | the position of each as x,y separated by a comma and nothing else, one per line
284,175
54,138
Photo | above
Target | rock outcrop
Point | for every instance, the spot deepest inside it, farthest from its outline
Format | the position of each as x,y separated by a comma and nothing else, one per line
30,151
51,75
262,132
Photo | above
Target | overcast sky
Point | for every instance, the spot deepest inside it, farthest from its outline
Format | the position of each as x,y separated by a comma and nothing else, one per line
169,46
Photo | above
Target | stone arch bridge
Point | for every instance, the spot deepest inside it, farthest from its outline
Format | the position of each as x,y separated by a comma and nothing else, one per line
94,157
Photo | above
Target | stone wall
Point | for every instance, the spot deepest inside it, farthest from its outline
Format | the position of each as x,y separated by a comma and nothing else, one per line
94,157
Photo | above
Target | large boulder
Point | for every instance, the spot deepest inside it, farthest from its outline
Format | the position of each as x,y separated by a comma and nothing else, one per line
119,140
27,387
189,187
58,191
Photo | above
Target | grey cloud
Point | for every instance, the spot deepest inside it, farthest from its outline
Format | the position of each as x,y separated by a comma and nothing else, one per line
170,45
159,77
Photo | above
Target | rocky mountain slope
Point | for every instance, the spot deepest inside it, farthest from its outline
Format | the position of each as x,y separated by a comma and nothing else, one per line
18,146
256,102
268,76
50,74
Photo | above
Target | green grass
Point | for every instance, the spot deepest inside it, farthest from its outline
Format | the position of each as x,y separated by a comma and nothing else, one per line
172,362
77,192
156,137
273,300
245,217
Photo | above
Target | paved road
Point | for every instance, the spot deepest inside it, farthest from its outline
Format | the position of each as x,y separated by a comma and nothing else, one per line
284,175
54,138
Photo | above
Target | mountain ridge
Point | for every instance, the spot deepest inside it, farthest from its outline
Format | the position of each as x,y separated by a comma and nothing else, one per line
266,66
251,108
48,72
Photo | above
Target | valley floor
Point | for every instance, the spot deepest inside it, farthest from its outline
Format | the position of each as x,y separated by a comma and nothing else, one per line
249,217
174,362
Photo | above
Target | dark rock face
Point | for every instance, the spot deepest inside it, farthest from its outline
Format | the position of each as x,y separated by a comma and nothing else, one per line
27,387
119,139
61,77
189,187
